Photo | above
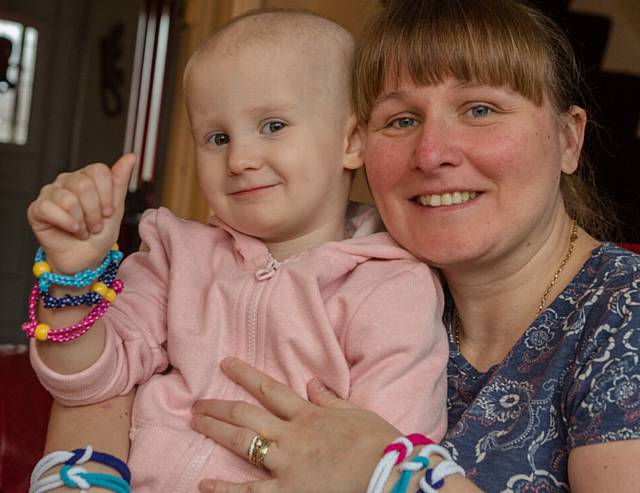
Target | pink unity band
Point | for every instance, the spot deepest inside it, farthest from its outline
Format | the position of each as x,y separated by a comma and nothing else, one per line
72,332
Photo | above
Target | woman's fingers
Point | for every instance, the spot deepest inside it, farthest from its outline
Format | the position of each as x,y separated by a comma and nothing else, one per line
234,424
278,398
267,486
322,396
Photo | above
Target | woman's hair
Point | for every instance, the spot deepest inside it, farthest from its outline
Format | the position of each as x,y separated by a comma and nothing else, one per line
495,42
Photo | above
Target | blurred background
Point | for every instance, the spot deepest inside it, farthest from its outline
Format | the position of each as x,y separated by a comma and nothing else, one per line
86,80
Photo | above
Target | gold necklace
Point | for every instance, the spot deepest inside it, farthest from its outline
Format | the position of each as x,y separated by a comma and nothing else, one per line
456,325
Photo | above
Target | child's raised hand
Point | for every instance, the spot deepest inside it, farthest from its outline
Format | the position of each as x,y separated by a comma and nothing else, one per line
77,218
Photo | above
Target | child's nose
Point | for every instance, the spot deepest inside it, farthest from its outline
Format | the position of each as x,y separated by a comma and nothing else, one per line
243,157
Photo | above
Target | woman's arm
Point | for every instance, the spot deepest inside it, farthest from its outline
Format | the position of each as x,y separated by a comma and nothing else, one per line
324,445
104,426
611,466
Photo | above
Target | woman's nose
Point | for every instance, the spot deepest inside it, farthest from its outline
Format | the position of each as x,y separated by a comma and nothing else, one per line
436,146
243,156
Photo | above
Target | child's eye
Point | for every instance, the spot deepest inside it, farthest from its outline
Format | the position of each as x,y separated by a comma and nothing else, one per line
218,139
273,127
404,122
480,111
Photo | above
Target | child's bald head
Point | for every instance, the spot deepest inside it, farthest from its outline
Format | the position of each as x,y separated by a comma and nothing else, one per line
322,49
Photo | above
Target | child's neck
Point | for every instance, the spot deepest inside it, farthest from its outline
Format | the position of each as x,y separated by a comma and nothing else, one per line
310,239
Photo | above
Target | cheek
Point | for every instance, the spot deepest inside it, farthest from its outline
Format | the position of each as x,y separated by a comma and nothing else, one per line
385,165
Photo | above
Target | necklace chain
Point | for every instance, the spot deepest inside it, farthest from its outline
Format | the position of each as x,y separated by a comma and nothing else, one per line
457,323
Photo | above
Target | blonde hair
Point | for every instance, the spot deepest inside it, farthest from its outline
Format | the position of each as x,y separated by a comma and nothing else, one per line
495,42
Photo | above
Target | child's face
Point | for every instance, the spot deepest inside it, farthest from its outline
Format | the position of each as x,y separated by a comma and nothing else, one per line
270,142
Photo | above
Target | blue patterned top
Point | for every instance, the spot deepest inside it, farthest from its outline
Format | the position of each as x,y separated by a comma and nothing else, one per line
572,379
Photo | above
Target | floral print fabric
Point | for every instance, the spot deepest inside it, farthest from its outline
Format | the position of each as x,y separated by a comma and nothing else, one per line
572,379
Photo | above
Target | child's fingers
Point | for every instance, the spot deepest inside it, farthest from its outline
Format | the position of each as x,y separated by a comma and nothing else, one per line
121,174
70,203
44,214
86,192
102,179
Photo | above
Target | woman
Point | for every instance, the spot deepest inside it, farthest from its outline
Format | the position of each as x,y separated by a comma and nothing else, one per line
473,139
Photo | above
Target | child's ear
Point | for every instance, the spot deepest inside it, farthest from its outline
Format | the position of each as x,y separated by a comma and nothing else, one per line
353,155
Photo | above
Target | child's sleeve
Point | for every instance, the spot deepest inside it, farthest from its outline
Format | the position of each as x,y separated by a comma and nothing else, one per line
397,348
135,330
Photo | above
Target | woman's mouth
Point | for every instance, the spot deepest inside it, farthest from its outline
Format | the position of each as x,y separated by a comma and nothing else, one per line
448,198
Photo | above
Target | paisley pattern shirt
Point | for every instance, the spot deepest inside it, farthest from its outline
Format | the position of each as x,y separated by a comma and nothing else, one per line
573,379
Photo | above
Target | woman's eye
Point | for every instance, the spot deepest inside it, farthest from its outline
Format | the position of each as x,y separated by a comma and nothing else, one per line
273,127
218,139
480,111
404,122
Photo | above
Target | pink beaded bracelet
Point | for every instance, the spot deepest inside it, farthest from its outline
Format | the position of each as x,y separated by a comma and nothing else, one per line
43,332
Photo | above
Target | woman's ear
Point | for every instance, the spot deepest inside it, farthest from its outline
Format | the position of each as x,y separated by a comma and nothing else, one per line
354,145
574,124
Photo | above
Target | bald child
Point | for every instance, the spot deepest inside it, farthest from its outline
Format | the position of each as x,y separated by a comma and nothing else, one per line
286,275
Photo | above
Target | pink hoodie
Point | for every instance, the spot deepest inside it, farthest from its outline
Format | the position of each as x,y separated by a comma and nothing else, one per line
361,314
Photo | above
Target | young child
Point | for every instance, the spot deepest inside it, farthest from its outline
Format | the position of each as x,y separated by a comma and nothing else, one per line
278,278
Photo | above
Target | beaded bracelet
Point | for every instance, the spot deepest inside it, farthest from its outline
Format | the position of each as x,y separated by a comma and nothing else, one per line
77,477
42,270
99,290
43,332
394,454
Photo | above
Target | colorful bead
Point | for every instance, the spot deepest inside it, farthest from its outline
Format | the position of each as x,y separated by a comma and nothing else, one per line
40,268
110,295
115,247
41,332
100,288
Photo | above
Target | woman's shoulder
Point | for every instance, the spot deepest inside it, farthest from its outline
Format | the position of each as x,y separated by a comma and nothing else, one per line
611,266
603,302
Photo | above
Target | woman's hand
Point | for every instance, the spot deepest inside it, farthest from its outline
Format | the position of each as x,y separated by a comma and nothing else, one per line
323,445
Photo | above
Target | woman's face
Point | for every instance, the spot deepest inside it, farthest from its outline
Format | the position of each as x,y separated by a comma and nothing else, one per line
464,173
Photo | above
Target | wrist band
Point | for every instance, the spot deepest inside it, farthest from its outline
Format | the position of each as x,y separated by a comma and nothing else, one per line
434,478
77,477
99,291
42,270
394,453
43,332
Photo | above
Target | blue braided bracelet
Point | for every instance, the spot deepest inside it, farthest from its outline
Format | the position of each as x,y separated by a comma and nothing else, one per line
102,458
78,280
90,299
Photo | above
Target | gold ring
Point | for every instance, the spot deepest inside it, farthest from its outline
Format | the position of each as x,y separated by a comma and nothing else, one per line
258,449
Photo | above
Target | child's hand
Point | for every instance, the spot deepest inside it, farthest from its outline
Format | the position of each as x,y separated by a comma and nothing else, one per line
77,218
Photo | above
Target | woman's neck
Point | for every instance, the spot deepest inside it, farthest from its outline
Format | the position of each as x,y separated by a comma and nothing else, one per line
497,303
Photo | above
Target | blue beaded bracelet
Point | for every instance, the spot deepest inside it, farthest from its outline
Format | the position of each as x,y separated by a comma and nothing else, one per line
78,280
89,299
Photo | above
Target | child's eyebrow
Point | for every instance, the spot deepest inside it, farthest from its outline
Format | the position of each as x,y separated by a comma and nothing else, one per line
263,109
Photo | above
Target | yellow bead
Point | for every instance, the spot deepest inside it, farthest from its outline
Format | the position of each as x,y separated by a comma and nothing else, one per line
110,295
100,288
41,332
40,268
115,247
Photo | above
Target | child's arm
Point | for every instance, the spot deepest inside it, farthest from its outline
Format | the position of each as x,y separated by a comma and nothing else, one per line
398,349
104,426
76,220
